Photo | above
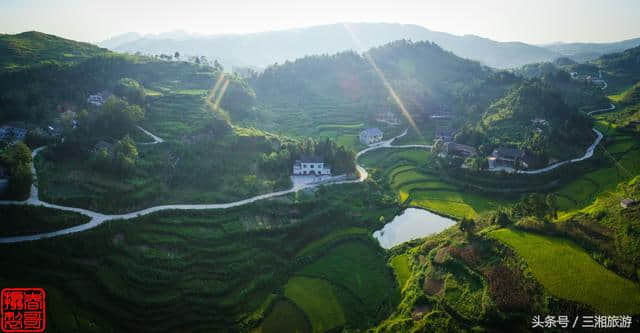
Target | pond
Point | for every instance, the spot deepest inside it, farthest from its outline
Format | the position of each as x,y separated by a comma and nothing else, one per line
411,224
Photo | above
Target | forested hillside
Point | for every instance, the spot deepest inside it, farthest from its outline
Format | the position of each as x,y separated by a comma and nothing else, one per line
622,69
347,90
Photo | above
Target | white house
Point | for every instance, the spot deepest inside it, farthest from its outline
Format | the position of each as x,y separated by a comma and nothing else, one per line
96,100
311,165
99,98
370,135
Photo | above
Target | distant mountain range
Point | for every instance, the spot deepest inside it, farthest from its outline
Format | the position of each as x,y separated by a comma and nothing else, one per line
582,52
266,48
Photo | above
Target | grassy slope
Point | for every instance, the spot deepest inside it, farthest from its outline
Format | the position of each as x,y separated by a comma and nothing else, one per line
295,322
318,300
567,271
30,48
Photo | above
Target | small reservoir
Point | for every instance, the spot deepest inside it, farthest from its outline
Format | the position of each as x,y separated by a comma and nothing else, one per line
411,224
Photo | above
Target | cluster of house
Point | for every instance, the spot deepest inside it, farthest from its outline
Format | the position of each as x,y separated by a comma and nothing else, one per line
508,159
596,80
11,133
99,98
500,159
370,136
311,166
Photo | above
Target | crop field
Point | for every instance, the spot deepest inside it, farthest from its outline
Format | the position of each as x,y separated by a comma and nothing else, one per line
567,271
407,171
332,237
622,161
296,321
400,264
317,298
228,264
174,115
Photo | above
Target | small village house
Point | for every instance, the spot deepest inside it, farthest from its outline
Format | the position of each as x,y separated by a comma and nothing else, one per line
540,121
102,145
507,158
627,203
370,136
455,149
99,98
11,133
311,165
445,134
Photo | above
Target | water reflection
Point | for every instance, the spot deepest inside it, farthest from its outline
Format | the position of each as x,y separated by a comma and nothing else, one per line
411,224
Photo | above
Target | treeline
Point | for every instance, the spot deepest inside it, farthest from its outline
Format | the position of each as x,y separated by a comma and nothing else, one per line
337,157
16,160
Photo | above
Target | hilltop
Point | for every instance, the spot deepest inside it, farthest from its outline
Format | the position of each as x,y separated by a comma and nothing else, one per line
32,47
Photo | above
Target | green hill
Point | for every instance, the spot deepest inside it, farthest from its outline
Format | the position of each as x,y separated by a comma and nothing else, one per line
32,47
622,69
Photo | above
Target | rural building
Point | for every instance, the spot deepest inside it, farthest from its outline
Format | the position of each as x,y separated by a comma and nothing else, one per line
96,100
628,202
507,158
452,148
102,145
311,165
445,134
99,98
370,135
539,121
387,117
11,133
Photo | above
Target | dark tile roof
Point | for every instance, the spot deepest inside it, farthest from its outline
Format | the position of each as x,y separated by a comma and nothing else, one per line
310,159
510,153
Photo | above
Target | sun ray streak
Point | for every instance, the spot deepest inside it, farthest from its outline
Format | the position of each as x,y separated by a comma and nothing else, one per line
384,80
221,94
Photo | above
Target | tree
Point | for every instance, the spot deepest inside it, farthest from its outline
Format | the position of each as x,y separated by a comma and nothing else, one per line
17,159
551,201
125,154
131,90
467,226
117,116
176,55
20,180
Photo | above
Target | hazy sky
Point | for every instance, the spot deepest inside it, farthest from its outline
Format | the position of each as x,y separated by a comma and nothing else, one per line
532,21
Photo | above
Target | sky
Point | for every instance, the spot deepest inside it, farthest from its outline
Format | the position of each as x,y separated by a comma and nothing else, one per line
530,21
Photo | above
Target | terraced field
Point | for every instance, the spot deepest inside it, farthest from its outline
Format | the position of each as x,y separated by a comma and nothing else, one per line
622,161
348,282
409,172
568,271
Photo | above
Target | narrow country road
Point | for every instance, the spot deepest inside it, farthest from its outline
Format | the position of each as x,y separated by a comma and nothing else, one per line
98,218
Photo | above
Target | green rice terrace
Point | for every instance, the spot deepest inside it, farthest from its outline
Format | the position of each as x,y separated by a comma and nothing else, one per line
266,256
